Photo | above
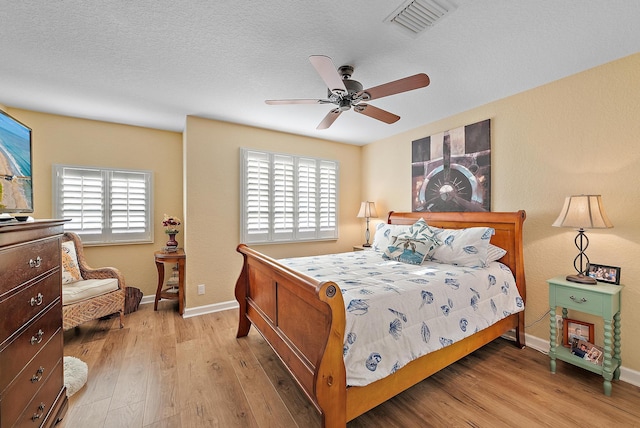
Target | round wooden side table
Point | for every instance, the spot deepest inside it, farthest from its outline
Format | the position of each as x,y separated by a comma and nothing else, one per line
178,258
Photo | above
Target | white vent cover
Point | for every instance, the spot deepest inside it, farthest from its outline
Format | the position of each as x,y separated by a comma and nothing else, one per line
416,16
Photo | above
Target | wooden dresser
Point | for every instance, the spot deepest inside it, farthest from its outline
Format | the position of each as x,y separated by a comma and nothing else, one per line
32,392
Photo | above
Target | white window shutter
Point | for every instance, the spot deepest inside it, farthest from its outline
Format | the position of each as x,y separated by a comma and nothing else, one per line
307,198
104,205
256,196
283,197
129,203
81,199
287,198
328,195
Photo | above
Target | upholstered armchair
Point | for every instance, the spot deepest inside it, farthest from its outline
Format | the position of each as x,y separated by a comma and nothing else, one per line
88,293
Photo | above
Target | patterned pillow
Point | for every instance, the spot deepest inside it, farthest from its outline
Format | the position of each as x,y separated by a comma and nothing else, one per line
495,253
462,247
70,267
412,245
384,234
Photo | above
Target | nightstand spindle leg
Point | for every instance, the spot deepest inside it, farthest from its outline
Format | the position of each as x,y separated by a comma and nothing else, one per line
552,339
616,344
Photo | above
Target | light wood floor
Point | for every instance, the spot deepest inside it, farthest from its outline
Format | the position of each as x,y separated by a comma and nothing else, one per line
165,371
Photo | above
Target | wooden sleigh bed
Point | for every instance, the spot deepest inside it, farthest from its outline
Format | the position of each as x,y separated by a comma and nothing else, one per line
303,320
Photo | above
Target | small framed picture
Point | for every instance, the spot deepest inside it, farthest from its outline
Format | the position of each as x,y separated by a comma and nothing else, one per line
573,331
589,352
602,273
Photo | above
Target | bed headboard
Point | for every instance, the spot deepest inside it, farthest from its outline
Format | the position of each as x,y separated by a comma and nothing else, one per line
508,227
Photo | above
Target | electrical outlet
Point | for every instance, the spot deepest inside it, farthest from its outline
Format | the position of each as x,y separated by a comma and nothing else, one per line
200,288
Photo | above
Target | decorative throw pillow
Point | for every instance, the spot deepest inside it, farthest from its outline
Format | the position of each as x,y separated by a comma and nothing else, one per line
385,233
462,247
70,267
412,245
495,253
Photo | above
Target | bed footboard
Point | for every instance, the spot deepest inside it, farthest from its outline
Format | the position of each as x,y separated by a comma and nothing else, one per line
303,320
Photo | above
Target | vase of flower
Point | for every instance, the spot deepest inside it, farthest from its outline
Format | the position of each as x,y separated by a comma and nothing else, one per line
170,223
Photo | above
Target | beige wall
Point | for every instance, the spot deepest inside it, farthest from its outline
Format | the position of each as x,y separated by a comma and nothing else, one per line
577,135
212,187
72,141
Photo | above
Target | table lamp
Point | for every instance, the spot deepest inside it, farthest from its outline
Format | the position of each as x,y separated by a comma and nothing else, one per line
367,210
582,212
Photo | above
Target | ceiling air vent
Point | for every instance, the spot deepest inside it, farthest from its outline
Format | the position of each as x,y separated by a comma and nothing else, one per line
416,16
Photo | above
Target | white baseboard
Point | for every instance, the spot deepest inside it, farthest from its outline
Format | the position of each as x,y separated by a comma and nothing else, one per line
148,299
199,310
208,309
541,345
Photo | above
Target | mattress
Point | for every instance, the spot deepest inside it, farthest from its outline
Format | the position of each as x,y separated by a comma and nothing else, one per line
397,312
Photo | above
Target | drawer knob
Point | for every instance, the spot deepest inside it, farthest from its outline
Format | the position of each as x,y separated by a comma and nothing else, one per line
38,337
35,263
580,300
36,377
39,413
36,301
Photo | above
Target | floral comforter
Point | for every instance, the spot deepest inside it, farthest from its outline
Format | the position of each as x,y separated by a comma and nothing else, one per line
397,312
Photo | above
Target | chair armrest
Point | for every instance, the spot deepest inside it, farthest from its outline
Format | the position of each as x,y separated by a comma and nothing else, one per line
102,273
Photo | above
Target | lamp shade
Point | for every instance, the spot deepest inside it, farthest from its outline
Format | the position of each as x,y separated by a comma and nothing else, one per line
583,212
368,210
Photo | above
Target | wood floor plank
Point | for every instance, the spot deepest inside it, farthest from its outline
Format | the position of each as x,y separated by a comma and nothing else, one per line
195,373
305,414
127,416
209,392
266,405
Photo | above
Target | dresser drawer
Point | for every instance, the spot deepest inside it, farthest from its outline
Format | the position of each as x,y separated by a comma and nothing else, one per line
26,304
42,403
23,262
43,368
581,300
31,340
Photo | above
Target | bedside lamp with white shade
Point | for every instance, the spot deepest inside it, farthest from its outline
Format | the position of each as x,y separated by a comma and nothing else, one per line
582,212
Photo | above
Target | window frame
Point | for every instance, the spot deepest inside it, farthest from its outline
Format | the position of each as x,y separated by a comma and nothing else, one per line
267,191
102,214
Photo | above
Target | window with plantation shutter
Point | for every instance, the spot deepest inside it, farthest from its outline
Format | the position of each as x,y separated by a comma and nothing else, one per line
287,198
105,206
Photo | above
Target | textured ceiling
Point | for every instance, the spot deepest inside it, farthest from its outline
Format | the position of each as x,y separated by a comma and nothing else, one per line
152,63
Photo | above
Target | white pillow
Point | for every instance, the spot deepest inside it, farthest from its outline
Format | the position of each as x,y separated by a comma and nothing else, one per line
495,253
70,267
462,247
412,245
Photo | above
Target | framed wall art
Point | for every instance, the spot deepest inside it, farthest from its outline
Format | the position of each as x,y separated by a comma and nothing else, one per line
451,171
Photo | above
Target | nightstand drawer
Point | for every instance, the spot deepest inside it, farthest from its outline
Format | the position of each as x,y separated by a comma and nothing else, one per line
581,300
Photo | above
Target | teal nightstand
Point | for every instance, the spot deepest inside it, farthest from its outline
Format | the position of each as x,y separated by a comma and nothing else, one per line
602,300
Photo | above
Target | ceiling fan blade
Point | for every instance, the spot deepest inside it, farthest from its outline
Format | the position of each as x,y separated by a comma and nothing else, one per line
376,113
297,101
329,118
325,68
397,86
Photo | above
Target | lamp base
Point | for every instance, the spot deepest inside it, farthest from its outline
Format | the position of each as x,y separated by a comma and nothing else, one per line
582,279
366,245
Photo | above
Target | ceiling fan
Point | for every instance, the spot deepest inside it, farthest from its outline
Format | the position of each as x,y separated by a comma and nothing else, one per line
346,93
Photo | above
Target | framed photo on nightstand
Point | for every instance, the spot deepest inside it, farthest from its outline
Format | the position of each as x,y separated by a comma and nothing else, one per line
574,331
602,273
